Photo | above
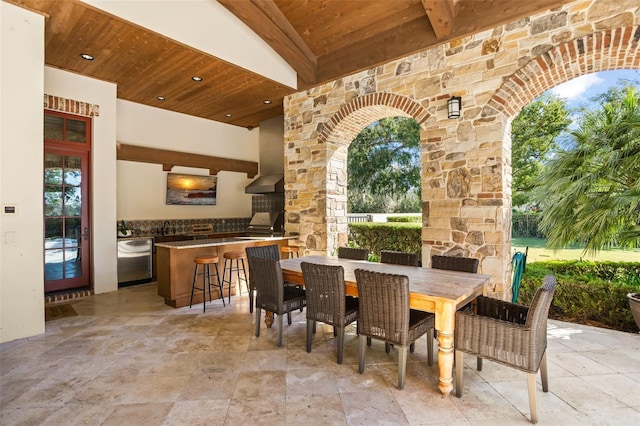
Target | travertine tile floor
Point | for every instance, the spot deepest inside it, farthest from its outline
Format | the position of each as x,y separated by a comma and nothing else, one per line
127,359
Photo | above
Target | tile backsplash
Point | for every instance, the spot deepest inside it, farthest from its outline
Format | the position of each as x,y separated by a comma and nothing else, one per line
144,227
267,203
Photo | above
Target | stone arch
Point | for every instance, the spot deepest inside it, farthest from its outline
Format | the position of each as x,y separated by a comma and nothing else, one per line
606,50
611,49
371,107
337,135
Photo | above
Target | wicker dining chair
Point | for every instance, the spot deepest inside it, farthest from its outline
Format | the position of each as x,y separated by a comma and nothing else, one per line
509,334
264,252
399,258
455,263
353,253
327,302
385,315
271,293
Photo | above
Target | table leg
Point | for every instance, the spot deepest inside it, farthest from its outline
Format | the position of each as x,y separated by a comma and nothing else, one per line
268,319
445,321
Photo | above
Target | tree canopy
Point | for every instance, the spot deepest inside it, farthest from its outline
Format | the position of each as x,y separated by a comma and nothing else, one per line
591,190
533,135
384,167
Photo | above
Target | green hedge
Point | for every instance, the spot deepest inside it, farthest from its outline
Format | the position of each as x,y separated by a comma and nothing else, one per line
387,236
404,219
593,293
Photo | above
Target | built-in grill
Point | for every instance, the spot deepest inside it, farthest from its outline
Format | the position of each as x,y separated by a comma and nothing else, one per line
266,223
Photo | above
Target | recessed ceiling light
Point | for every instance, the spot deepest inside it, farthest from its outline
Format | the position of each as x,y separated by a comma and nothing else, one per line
228,115
266,102
196,78
86,57
161,98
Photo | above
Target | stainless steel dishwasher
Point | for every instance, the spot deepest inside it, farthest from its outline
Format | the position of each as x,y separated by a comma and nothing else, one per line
134,260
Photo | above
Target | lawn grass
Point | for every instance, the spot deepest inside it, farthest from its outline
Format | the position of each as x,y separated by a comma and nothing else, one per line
539,252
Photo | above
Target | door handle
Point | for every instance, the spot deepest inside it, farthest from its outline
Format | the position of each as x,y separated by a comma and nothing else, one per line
85,233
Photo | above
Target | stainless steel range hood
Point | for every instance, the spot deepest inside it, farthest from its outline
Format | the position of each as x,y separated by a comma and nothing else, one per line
266,185
271,147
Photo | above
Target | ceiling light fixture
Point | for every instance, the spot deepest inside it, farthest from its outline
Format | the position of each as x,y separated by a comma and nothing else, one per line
266,102
161,98
86,57
228,115
196,78
454,106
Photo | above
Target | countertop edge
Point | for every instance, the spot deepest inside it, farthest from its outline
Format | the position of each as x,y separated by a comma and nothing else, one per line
134,238
187,244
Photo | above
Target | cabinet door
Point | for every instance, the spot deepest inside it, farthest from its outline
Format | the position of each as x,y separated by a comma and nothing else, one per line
134,260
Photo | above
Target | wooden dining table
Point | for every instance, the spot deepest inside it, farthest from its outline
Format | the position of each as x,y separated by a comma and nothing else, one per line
431,290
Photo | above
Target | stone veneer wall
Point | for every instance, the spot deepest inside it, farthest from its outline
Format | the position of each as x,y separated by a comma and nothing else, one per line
466,162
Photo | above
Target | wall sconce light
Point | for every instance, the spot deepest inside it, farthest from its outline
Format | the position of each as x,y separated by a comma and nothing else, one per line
454,106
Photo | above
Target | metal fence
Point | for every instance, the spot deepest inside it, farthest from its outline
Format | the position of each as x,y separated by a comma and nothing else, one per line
359,217
526,226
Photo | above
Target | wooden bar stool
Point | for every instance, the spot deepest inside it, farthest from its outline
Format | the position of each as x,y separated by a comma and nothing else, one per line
234,262
206,262
287,252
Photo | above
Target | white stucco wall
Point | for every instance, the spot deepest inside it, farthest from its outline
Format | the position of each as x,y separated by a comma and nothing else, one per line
142,186
21,157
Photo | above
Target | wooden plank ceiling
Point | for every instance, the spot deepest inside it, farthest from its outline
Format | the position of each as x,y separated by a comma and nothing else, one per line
320,39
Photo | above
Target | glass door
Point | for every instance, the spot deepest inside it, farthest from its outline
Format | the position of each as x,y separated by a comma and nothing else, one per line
66,212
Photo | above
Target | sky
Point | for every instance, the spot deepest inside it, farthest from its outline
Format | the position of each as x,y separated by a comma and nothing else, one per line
579,90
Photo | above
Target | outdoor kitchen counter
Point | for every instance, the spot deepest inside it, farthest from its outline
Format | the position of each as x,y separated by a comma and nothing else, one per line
175,264
211,242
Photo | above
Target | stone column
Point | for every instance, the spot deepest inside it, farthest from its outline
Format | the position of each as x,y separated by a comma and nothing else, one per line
466,195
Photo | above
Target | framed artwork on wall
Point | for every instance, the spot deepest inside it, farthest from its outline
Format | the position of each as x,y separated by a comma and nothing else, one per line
191,189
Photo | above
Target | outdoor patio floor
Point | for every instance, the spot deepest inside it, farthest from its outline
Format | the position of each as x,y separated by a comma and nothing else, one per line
128,359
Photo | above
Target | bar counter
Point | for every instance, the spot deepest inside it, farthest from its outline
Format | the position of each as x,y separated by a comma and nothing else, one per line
175,264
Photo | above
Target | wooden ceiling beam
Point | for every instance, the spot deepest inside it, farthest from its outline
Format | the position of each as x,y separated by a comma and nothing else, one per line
440,13
404,40
267,21
169,159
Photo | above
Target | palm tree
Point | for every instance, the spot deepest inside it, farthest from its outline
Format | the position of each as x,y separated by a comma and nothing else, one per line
591,191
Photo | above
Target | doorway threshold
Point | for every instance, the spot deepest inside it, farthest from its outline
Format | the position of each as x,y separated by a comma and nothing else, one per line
69,295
